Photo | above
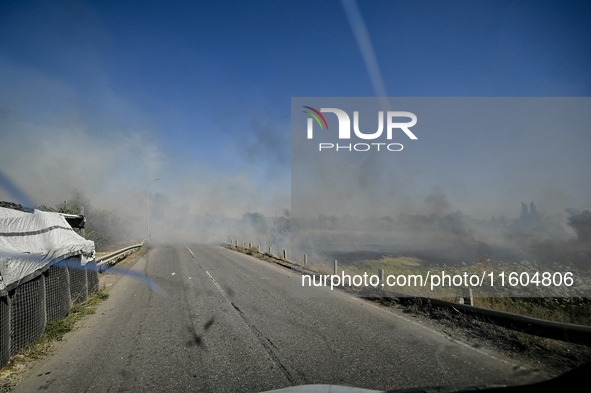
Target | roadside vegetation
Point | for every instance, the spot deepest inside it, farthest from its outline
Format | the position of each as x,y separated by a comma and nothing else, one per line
102,227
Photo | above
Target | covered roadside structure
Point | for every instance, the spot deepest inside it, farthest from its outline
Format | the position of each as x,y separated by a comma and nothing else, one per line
44,269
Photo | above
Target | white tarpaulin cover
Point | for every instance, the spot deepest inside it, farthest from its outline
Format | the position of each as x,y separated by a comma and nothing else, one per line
29,242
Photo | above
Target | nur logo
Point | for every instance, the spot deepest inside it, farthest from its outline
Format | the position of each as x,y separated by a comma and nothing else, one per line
345,128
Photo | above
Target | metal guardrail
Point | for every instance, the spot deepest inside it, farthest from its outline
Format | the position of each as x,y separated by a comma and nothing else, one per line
114,257
568,332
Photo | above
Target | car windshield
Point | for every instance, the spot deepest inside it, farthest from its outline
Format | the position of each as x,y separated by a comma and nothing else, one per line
249,196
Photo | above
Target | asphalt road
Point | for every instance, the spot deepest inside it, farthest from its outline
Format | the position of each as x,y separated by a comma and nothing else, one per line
230,323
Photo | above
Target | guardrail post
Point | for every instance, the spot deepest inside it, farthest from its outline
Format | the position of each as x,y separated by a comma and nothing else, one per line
381,276
249,246
305,259
270,251
467,295
335,267
231,242
284,254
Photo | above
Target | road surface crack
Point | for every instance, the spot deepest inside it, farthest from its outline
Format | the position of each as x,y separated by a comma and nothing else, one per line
265,342
268,346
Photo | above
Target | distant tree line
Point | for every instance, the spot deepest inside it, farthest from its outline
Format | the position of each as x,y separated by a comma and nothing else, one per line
102,227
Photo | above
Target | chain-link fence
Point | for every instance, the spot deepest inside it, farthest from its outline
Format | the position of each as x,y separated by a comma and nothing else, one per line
78,281
26,309
57,292
4,330
27,313
92,278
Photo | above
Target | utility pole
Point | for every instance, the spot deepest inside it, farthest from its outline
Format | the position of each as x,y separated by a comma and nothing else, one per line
147,213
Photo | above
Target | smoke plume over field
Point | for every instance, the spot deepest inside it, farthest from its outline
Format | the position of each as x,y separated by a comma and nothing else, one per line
89,106
475,186
57,147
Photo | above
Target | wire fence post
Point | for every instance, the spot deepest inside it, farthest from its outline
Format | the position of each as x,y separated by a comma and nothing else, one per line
467,295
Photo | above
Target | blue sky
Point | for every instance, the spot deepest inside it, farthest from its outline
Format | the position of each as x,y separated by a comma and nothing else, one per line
198,93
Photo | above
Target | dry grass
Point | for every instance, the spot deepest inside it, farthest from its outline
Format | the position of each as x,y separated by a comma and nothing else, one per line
575,310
